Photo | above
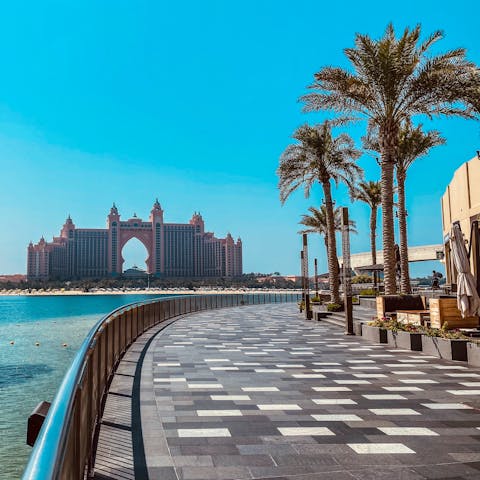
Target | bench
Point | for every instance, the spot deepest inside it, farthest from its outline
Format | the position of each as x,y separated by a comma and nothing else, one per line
387,305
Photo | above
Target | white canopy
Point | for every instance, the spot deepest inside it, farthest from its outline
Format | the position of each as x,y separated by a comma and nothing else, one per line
467,297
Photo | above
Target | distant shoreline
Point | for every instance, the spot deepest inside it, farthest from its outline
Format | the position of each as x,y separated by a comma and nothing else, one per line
151,291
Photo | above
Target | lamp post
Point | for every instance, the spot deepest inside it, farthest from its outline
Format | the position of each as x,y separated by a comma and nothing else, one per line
308,312
316,278
347,280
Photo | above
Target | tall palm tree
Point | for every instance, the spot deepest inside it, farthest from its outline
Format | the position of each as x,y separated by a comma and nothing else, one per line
320,157
413,143
393,79
370,193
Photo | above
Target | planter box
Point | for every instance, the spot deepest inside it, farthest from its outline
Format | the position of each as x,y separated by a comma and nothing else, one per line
374,334
473,354
405,340
445,348
445,310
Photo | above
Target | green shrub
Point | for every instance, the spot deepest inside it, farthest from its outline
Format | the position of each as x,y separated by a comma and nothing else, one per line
334,307
395,326
316,300
369,292
362,279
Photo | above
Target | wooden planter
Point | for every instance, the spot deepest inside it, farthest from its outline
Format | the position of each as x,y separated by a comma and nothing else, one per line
374,334
473,354
445,310
445,348
405,340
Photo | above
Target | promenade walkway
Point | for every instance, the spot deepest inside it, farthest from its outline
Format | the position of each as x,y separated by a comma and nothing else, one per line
258,392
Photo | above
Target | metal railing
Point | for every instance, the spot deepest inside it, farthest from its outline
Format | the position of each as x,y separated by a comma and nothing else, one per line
65,446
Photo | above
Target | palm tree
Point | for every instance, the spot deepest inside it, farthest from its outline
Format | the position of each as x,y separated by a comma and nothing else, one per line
392,80
370,193
413,143
317,222
320,157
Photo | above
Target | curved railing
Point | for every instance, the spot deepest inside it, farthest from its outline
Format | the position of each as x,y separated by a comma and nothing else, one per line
64,448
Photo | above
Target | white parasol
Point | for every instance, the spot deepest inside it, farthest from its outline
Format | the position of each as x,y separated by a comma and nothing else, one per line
467,296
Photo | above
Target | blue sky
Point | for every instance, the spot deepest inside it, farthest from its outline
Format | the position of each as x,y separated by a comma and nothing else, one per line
193,103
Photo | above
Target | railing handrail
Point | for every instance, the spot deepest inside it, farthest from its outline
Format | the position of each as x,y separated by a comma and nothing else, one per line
49,449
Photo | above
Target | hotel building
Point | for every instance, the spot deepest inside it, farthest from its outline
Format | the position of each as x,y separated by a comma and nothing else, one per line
175,250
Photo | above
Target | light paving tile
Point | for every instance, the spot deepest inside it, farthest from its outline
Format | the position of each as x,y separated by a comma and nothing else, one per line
337,418
449,367
464,392
290,365
393,411
217,359
462,375
360,361
470,384
352,382
260,389
400,365
418,381
326,364
305,431
203,432
379,448
224,368
408,431
369,375
219,413
447,406
384,397
334,401
308,375
230,397
205,385
403,389
279,406
332,389
169,380
168,364
408,372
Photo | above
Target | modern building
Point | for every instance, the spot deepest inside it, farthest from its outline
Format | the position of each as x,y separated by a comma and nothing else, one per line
175,250
461,203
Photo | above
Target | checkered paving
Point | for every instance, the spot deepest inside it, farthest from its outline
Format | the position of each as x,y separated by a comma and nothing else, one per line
259,392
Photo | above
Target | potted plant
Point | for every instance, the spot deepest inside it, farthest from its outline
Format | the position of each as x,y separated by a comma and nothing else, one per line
376,330
404,336
443,343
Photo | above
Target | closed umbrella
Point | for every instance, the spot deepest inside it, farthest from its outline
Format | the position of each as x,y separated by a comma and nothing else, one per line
468,300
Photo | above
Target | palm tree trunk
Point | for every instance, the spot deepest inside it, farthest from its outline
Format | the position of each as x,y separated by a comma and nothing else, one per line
333,272
402,228
388,233
373,234
373,240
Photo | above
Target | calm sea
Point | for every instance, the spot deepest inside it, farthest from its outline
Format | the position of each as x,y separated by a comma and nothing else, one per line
29,373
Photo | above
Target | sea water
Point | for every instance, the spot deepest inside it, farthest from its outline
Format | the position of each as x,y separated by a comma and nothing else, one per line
30,373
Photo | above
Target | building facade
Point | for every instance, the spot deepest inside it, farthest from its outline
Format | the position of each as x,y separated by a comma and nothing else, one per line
461,203
175,250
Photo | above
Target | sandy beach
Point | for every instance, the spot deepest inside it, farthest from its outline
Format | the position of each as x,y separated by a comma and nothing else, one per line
144,291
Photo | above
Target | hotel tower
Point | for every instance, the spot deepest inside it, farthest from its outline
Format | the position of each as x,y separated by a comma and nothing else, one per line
175,250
